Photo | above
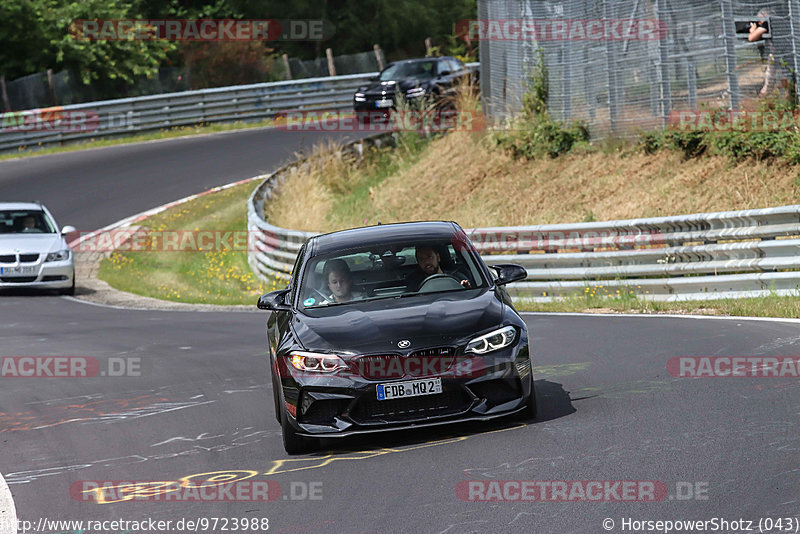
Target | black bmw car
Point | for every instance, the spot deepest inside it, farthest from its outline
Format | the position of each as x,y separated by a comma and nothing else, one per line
414,78
394,326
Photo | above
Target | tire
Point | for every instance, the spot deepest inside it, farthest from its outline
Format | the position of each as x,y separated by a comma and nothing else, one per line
276,400
531,409
70,291
292,443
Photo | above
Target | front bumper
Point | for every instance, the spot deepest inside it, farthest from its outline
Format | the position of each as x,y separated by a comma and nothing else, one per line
44,275
327,406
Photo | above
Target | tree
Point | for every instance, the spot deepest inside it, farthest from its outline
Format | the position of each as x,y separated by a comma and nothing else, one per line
35,35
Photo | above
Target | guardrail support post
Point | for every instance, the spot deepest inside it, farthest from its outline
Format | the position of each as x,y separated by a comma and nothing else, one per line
728,31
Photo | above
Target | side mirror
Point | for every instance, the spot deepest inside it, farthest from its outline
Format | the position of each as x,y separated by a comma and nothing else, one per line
374,78
274,300
509,272
67,230
445,73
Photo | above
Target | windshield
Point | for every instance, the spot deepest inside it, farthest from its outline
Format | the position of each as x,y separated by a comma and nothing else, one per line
25,222
421,70
389,271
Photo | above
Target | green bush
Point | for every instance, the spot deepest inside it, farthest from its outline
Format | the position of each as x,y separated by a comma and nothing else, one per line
538,136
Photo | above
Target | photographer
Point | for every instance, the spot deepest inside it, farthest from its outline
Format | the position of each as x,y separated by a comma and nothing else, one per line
757,31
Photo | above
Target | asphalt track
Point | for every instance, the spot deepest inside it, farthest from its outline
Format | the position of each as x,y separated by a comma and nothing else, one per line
609,410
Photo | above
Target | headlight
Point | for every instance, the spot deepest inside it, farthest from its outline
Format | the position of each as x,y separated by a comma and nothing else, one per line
360,97
417,91
61,255
493,340
312,361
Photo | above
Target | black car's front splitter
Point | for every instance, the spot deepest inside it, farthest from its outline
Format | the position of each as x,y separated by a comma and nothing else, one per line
411,426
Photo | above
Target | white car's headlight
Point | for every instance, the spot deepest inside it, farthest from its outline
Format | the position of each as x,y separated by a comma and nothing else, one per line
61,255
498,339
417,91
312,361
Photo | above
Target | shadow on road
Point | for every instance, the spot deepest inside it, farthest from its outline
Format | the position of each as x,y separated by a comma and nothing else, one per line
553,403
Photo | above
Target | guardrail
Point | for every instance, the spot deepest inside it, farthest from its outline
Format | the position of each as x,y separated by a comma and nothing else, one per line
702,256
126,116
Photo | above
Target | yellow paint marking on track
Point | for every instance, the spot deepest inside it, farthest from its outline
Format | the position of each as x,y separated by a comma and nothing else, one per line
322,461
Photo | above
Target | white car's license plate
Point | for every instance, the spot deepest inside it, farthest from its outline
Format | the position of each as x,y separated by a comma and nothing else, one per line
17,271
412,388
385,103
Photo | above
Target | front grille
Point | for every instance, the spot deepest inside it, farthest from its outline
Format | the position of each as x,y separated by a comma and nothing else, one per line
446,403
498,391
8,258
28,258
420,363
17,279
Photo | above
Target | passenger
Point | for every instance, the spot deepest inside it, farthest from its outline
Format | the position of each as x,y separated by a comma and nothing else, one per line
429,263
339,280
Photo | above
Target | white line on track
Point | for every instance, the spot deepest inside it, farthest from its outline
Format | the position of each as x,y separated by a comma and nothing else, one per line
8,513
666,315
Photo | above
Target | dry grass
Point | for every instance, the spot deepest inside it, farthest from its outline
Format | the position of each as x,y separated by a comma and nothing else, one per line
459,178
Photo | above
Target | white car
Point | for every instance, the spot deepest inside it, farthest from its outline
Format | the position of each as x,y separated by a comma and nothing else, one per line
33,251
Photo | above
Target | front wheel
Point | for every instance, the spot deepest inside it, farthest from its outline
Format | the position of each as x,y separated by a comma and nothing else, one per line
292,442
531,409
69,290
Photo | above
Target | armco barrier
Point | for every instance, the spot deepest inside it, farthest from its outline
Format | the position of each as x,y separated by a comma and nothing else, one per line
128,116
701,256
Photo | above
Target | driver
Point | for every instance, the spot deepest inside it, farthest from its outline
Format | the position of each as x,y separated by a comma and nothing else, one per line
29,224
339,280
429,264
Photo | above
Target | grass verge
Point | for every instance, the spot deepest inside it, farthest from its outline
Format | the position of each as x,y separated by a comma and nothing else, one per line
206,277
769,306
170,133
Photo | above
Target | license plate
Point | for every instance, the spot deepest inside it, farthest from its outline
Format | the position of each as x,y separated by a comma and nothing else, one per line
20,271
383,103
412,388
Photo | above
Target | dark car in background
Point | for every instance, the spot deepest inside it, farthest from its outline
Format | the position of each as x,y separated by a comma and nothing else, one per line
413,78
391,327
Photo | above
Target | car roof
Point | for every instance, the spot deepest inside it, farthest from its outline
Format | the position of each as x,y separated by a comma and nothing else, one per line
382,233
420,59
20,206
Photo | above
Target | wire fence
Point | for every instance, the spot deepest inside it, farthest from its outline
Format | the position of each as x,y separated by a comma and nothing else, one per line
344,64
624,66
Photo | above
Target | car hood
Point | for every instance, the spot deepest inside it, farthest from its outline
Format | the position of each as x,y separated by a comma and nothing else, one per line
390,87
378,326
27,243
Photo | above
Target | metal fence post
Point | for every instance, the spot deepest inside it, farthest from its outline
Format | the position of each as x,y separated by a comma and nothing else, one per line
729,38
665,91
611,77
794,28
